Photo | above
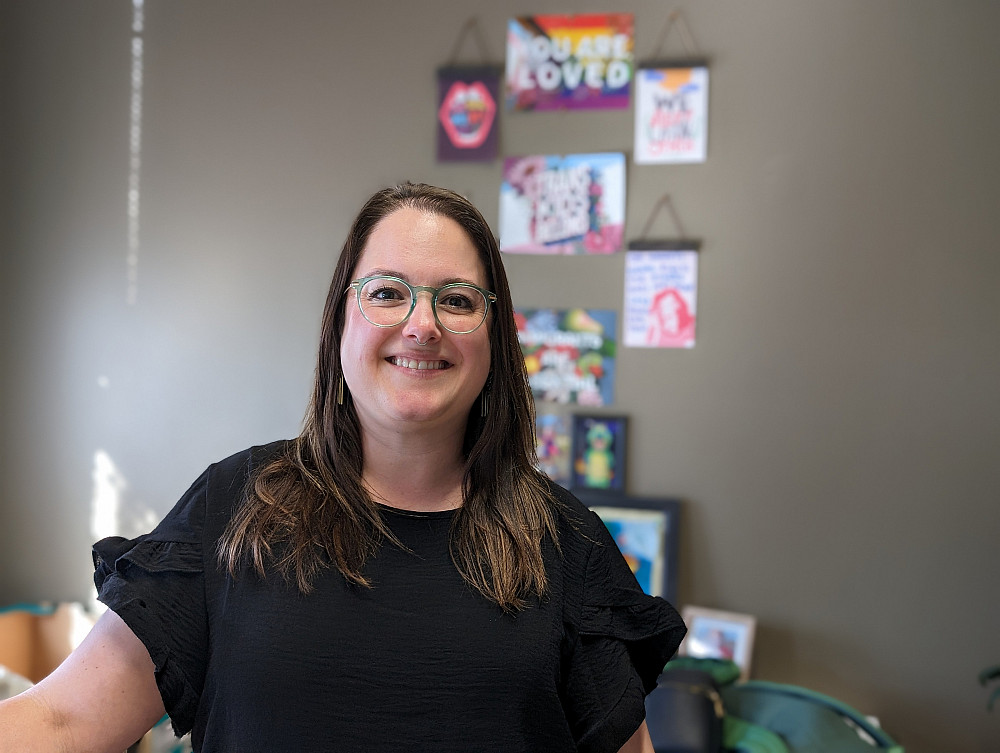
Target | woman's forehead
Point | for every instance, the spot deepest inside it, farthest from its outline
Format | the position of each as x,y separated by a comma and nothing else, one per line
414,243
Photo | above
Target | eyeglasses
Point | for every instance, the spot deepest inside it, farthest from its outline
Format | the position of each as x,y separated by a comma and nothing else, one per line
459,307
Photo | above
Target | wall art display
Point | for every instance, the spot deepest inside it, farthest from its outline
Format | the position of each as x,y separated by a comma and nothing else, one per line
582,61
647,533
671,114
467,108
714,634
569,354
553,446
563,205
599,452
661,296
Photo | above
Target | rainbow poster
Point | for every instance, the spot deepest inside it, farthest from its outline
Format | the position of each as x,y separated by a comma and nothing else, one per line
582,61
563,205
671,115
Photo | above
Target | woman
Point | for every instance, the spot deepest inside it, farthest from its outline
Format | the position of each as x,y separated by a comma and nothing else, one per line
399,577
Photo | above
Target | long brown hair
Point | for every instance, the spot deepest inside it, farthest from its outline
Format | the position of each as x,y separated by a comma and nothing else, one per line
308,508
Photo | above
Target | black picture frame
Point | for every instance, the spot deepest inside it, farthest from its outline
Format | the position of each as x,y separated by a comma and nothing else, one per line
598,459
655,571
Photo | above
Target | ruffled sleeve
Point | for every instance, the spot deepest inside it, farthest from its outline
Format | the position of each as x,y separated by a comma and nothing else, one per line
619,639
156,584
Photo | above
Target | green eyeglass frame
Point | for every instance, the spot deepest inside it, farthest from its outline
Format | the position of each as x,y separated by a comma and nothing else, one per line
435,293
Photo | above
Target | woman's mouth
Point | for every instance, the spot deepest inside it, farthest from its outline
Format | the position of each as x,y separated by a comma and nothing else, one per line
413,363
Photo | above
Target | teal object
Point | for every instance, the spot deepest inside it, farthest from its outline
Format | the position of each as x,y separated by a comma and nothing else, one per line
39,610
804,720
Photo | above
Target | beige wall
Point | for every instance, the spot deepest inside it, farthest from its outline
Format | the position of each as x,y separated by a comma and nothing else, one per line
834,434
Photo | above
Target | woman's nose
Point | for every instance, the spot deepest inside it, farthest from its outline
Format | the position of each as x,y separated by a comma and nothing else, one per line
422,323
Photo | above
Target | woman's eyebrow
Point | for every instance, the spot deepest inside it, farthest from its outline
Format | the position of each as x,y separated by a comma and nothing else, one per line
382,272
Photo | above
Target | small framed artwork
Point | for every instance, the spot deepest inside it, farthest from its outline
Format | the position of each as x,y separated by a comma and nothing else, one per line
713,634
646,531
598,453
552,446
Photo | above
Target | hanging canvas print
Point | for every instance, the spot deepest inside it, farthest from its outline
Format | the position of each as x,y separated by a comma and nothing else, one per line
569,355
661,297
553,446
581,61
671,114
467,106
563,205
599,452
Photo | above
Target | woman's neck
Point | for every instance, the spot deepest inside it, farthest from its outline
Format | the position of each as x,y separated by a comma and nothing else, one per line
414,472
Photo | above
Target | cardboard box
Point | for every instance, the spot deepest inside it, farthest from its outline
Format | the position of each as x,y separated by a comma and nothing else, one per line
34,639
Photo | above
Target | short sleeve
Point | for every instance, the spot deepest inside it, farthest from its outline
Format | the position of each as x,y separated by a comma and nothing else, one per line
623,637
156,584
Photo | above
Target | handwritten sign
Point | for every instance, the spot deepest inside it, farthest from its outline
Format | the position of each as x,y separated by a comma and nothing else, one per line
671,115
660,299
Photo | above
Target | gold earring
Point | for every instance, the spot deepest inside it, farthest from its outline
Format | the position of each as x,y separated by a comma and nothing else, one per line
340,390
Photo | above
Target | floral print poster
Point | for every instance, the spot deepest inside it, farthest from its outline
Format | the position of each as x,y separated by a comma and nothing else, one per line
572,204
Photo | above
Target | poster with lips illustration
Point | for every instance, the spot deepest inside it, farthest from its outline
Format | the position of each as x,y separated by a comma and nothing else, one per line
467,108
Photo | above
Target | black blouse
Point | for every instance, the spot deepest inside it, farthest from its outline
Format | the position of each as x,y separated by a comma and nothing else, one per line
418,662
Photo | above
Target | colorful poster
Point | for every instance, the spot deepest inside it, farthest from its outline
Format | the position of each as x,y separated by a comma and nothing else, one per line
563,205
660,298
553,446
671,115
570,355
641,536
583,61
467,108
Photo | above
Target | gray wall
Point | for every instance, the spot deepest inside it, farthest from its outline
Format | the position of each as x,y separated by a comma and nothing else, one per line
834,434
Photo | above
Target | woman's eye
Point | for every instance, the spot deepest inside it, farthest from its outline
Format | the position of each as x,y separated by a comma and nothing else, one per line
385,294
456,301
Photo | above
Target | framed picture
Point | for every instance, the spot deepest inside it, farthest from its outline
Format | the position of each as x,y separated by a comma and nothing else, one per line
713,634
552,446
598,453
646,531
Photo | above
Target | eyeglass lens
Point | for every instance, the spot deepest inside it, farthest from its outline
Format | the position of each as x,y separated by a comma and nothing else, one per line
386,302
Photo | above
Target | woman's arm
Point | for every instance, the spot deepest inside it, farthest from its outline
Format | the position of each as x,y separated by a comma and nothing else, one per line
639,742
101,699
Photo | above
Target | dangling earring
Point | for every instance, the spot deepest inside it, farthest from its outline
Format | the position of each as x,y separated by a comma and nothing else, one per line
484,396
340,390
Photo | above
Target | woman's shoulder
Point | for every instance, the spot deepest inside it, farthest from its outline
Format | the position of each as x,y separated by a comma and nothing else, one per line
573,513
241,465
580,528
212,497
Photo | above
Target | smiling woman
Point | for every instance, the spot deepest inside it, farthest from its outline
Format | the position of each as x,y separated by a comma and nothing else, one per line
401,574
430,250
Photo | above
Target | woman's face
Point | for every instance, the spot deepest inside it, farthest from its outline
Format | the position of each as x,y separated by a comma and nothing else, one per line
417,374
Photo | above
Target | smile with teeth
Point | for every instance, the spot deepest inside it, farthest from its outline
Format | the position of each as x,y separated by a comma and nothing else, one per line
413,363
